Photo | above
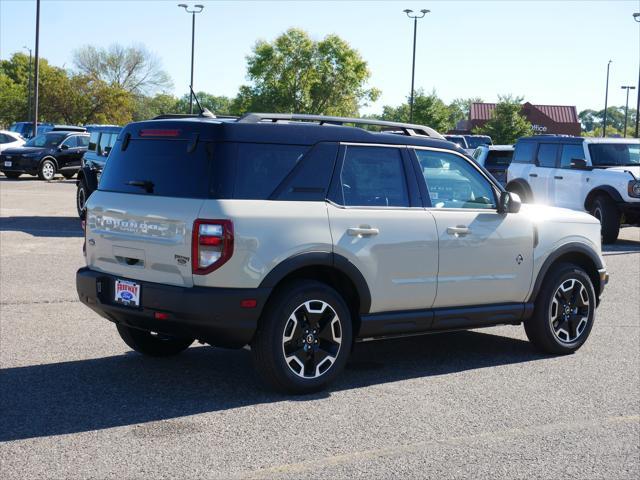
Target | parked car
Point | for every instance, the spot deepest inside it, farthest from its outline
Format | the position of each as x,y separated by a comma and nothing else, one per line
459,140
297,234
599,175
474,141
101,140
25,129
45,155
9,139
496,159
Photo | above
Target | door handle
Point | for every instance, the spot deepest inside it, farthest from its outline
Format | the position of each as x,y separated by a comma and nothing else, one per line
459,231
557,177
533,174
362,231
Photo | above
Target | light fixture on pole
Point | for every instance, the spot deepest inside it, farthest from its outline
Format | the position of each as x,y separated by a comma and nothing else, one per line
193,11
29,85
626,107
606,98
415,18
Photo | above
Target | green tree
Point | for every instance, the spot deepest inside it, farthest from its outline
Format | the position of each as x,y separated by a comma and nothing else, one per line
147,107
428,110
297,74
507,123
133,69
216,104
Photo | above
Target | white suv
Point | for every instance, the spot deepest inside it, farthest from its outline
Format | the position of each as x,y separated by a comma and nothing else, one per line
597,175
298,235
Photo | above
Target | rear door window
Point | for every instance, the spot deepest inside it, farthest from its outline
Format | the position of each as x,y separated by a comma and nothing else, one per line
373,176
93,141
548,155
159,167
525,152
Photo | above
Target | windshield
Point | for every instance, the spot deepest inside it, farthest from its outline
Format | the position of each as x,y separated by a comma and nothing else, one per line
614,154
47,140
497,158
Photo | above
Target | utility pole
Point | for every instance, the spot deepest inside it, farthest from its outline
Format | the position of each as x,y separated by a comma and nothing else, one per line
37,70
636,17
606,98
413,64
626,107
196,9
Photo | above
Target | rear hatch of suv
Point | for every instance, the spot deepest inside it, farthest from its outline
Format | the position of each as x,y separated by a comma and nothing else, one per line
139,222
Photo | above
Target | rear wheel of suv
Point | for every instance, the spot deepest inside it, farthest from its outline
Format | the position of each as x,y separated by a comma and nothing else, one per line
564,310
82,193
605,210
152,344
12,175
47,170
304,339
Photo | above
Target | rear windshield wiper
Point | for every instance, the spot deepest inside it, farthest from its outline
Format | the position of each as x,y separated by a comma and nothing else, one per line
146,184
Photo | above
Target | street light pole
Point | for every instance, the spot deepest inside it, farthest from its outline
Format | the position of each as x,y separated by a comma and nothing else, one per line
413,64
29,86
37,71
196,9
626,107
636,17
606,98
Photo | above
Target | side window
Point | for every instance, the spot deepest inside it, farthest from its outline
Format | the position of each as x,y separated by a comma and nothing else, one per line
70,142
260,167
547,155
373,176
524,152
103,144
453,182
569,152
93,141
83,141
5,138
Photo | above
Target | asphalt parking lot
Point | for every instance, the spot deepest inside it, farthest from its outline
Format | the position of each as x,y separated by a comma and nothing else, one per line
77,403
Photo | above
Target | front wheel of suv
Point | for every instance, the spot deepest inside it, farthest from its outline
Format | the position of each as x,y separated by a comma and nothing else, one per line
304,338
152,344
82,193
564,310
605,210
47,170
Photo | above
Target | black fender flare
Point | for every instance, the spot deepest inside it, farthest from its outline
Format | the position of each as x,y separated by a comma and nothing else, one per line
602,189
90,178
325,259
48,157
572,247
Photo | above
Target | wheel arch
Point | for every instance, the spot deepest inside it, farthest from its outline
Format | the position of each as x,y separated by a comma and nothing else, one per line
523,185
48,157
601,190
330,268
578,254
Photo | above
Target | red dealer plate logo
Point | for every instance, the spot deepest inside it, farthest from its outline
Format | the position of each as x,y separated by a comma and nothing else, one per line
127,293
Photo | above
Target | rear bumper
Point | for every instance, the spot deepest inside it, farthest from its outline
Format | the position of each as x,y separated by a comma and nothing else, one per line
213,315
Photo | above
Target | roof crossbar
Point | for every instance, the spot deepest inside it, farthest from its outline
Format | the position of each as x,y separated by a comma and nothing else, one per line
408,129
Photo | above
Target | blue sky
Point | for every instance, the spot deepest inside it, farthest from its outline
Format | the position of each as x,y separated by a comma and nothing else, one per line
550,52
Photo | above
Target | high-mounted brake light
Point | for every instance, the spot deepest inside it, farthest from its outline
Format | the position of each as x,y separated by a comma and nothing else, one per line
211,246
159,132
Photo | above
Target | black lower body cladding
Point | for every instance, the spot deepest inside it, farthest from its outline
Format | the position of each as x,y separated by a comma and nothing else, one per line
213,315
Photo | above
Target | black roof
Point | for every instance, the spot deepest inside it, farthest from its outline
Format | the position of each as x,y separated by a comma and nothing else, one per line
295,133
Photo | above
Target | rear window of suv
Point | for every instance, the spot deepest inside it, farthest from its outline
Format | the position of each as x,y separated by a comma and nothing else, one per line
158,167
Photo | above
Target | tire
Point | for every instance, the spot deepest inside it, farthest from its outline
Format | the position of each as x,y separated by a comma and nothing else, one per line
12,175
82,193
554,329
153,345
47,170
304,338
605,210
68,175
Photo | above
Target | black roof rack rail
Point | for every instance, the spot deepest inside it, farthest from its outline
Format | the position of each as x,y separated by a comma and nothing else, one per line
205,114
405,128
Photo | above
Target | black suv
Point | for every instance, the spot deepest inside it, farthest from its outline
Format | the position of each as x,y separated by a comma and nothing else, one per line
101,140
46,154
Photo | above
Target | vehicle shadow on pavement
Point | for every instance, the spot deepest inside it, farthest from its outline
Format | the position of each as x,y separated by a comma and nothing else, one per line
85,395
43,226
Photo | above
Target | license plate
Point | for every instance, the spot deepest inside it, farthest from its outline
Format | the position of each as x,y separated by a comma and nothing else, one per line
127,293
8,164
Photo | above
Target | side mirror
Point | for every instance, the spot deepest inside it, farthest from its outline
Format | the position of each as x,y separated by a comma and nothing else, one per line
509,203
64,147
578,163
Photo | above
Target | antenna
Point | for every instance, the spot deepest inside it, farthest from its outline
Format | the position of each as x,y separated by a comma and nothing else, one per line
204,112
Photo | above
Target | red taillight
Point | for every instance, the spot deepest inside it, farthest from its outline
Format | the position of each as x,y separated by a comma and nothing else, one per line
161,316
158,132
212,245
